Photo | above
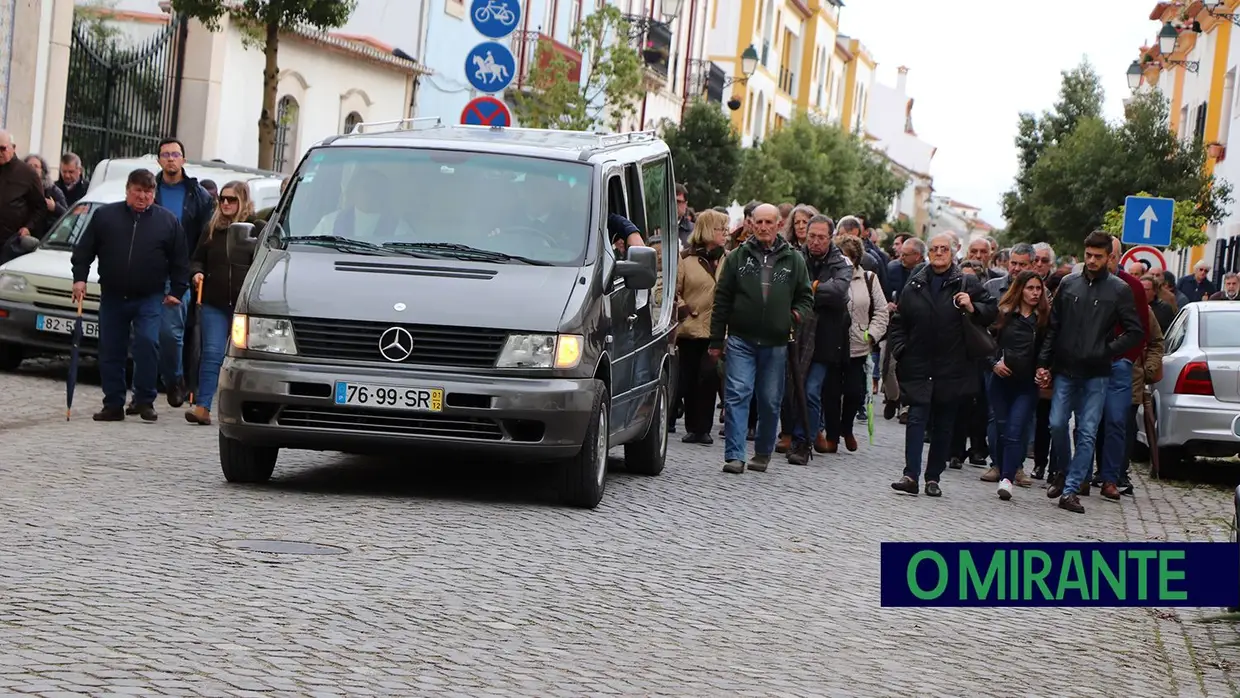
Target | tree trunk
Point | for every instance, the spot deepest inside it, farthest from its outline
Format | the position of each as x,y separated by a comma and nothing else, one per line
271,85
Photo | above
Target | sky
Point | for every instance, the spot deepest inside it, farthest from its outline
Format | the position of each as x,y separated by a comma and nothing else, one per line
973,68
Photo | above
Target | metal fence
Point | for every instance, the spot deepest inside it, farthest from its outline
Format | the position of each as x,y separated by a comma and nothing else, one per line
122,100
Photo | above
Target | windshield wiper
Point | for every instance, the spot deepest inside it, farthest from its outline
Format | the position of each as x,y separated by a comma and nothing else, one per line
344,244
455,248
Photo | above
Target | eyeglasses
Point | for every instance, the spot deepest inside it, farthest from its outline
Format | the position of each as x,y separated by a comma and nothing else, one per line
4,148
941,248
1042,260
169,156
229,200
680,200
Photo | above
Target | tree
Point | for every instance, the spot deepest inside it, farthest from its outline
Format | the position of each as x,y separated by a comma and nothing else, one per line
611,67
1082,175
263,20
706,151
823,166
1187,227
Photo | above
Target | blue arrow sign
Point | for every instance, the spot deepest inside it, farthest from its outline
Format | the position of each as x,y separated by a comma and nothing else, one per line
495,19
489,67
1147,221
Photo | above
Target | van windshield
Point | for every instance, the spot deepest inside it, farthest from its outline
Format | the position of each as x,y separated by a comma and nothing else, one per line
443,203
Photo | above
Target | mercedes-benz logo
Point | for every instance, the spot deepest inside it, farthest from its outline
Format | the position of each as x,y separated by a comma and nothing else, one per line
396,344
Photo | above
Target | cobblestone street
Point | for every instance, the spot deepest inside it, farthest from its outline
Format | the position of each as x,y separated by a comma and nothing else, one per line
464,578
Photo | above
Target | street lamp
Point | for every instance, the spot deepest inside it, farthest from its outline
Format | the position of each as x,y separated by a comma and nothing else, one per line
1168,38
1134,76
749,61
1212,6
671,8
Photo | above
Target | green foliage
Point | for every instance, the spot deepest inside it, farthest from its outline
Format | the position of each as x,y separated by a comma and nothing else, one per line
1187,228
706,151
262,21
821,165
901,225
613,78
1074,168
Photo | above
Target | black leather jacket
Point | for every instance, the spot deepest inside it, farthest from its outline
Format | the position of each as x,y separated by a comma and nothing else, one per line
1084,315
1019,342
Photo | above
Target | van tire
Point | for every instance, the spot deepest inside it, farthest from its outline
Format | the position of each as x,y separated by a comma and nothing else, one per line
584,476
243,463
11,356
648,455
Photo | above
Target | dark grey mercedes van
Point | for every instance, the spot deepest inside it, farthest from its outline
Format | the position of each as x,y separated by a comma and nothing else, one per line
434,286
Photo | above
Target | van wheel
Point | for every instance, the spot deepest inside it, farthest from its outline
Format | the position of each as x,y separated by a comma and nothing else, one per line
647,456
585,475
244,463
11,356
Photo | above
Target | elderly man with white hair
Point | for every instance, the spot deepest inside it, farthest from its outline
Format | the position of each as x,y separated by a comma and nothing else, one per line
762,293
1197,286
22,206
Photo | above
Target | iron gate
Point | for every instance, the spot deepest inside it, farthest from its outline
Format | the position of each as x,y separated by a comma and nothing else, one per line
122,100
1226,258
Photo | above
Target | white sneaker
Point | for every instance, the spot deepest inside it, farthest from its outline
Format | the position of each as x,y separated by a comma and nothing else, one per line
1005,490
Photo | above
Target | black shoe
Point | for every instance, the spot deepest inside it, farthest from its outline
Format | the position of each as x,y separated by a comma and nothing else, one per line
977,461
176,396
906,484
110,414
131,409
955,464
671,428
1039,472
799,453
690,438
890,409
705,439
146,412
932,490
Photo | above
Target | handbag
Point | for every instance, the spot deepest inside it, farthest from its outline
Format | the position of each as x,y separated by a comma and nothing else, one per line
978,343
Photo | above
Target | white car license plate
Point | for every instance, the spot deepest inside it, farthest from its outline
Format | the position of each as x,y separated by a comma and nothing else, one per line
389,397
61,325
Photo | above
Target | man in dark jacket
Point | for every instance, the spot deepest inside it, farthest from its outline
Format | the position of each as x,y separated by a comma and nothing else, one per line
763,292
1080,350
830,274
1197,286
193,207
141,252
22,206
927,341
71,182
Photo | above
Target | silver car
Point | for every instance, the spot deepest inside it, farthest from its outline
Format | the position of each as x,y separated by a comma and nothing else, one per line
1197,402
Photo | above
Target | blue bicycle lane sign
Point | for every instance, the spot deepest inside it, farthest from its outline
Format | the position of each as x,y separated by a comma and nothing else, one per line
495,19
490,67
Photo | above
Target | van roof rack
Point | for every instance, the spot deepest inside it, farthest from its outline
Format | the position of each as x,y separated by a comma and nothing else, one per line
409,124
580,139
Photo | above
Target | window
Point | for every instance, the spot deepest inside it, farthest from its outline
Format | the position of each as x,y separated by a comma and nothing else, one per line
1199,125
66,233
660,220
1220,330
1175,334
286,133
534,208
352,120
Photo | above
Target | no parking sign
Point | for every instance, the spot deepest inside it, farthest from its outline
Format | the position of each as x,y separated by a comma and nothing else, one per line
1149,256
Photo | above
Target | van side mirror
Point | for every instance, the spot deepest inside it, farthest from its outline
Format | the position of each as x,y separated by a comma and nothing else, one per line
640,270
244,236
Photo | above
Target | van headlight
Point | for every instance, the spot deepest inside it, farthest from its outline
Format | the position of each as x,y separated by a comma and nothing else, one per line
272,335
541,351
12,283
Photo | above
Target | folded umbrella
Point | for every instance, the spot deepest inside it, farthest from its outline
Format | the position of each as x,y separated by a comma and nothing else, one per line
193,345
74,356
1151,431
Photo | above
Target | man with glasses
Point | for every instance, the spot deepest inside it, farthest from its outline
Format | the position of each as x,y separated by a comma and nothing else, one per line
193,207
22,206
1043,260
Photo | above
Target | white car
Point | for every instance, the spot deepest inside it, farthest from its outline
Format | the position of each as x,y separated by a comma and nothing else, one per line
36,306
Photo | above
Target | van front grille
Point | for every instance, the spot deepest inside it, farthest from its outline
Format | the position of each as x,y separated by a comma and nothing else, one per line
390,423
358,340
65,294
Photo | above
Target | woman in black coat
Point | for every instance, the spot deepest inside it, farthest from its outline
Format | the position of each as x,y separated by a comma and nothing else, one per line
56,204
933,368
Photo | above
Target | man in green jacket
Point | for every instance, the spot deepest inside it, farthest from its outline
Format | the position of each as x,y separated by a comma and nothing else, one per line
763,291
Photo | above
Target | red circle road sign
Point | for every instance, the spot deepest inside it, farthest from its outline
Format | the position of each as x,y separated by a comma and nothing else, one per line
1149,256
486,111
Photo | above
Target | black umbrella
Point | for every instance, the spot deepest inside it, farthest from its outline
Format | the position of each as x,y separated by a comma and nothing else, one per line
74,353
193,344
800,354
1151,431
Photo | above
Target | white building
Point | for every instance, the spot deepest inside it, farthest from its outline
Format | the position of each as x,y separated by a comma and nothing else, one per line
674,51
948,215
889,119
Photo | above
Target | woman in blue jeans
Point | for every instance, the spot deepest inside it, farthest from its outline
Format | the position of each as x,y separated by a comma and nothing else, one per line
1020,328
218,269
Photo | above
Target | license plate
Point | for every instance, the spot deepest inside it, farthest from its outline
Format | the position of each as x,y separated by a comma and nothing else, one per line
389,397
61,325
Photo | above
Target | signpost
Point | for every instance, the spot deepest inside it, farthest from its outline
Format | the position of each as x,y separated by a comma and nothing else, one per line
490,66
1147,221
486,111
1151,257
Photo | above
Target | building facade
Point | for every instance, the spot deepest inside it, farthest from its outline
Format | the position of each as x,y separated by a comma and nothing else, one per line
889,120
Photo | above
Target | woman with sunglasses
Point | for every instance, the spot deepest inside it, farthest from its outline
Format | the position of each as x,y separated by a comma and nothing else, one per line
218,269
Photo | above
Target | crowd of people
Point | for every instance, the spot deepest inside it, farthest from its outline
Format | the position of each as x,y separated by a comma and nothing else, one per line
988,356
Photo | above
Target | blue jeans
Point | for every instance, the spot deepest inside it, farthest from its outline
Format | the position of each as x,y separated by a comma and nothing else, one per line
172,342
117,317
750,369
941,428
1086,398
1012,404
813,402
215,326
1115,420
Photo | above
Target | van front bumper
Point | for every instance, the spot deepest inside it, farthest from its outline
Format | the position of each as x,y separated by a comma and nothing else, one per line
292,405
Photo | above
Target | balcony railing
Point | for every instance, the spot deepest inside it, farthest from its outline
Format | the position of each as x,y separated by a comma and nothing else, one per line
525,48
654,40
